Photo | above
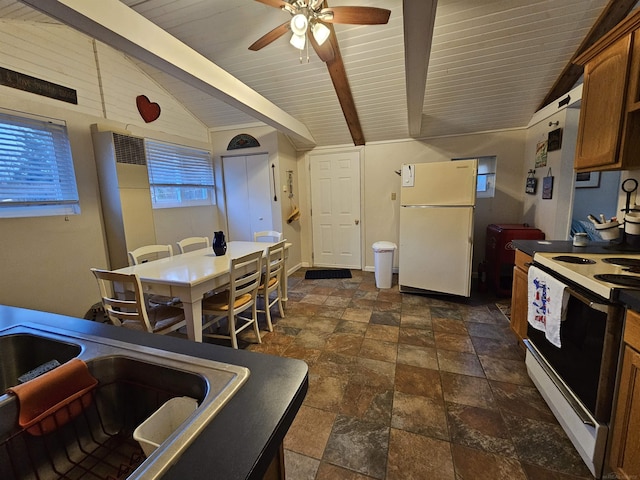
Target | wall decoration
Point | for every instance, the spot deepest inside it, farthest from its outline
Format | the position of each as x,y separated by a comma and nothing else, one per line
547,186
35,85
149,111
532,183
588,180
541,154
554,140
243,140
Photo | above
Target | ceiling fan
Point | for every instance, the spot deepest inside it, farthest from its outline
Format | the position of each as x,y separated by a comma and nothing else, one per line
310,18
313,19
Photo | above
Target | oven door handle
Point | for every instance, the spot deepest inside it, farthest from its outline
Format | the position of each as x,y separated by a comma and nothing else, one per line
576,405
595,305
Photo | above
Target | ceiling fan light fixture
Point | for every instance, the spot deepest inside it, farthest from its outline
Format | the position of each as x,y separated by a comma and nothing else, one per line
299,23
320,32
297,41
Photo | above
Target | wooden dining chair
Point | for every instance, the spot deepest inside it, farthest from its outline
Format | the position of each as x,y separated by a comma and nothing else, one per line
267,236
149,253
272,281
129,309
191,243
244,280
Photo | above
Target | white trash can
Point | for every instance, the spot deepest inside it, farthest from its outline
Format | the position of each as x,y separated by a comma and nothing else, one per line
383,261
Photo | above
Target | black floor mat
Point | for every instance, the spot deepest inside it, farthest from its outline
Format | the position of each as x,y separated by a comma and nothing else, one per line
330,273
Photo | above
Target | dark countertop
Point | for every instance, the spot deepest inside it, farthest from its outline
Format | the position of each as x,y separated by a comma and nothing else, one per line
243,438
566,246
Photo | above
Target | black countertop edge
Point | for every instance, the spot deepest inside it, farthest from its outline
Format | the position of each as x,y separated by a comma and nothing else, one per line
243,438
530,247
631,298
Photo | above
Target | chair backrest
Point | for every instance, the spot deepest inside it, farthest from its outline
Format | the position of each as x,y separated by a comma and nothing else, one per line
123,308
267,236
245,274
149,252
274,262
186,243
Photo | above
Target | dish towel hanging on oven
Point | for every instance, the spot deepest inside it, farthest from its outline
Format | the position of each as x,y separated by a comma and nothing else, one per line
547,302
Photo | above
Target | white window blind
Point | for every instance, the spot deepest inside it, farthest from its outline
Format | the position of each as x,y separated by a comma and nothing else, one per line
179,176
36,168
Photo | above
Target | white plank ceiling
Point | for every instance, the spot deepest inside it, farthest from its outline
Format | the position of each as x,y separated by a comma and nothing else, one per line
491,64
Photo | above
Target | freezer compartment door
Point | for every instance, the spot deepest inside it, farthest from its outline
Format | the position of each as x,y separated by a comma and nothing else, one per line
440,183
436,245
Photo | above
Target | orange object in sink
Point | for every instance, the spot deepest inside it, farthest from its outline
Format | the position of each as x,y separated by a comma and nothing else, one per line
49,401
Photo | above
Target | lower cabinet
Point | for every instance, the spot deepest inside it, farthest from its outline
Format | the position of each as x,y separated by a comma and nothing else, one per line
276,468
624,457
519,295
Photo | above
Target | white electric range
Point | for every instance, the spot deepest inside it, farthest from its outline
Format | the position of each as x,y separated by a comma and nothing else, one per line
604,274
577,379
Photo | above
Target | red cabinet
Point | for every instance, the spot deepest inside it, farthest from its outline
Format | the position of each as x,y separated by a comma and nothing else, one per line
500,253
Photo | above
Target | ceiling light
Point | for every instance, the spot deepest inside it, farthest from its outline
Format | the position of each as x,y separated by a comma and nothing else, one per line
320,32
297,41
299,24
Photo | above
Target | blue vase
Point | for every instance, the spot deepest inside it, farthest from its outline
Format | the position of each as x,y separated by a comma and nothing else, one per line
219,243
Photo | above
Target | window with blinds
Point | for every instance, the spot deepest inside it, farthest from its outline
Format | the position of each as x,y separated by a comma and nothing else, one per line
36,168
179,176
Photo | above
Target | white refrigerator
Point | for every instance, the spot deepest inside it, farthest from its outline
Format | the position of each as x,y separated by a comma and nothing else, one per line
436,226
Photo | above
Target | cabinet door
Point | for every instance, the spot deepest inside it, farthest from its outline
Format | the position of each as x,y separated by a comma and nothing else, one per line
625,448
519,303
603,107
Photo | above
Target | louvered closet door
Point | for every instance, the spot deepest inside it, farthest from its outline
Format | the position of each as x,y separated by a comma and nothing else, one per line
248,195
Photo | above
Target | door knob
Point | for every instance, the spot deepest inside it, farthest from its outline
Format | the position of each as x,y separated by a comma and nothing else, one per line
357,222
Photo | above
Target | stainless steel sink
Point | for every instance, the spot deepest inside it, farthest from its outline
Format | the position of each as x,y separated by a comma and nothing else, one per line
133,382
22,353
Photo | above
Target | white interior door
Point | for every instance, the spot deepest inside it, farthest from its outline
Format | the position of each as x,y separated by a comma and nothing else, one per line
247,195
335,204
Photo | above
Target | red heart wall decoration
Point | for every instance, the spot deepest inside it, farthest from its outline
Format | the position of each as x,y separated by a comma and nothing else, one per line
149,111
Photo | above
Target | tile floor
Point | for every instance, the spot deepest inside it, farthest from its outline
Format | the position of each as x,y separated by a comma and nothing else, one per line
408,386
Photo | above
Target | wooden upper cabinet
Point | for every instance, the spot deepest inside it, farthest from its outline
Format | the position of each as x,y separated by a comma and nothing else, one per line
610,113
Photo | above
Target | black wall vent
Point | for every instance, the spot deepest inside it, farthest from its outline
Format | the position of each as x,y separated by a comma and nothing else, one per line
129,149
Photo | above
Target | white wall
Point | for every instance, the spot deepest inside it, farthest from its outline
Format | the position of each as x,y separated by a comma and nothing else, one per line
46,260
552,216
380,160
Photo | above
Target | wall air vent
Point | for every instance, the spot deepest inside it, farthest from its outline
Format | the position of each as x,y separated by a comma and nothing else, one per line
129,149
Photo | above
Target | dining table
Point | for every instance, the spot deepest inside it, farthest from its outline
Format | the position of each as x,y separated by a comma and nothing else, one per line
189,276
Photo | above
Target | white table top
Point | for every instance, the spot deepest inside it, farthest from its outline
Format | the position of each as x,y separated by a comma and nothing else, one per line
192,268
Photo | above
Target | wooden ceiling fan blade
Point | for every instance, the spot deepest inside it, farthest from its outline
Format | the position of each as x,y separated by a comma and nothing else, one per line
270,37
324,51
273,3
356,15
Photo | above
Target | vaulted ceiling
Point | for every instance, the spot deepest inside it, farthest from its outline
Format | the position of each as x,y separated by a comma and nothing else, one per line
491,64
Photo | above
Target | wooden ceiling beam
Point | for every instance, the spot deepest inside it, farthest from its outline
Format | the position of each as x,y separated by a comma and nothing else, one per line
612,14
340,81
117,25
418,19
